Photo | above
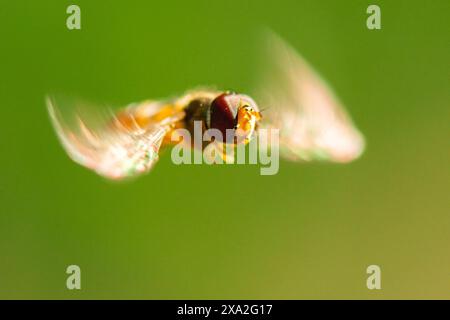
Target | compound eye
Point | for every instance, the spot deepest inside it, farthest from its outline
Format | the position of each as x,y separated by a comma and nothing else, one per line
223,112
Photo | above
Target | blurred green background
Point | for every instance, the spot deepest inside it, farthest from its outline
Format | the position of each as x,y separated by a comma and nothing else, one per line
225,231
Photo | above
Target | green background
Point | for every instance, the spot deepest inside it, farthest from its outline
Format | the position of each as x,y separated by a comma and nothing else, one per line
225,231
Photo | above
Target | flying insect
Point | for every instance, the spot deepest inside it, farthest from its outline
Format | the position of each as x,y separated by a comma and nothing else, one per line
312,121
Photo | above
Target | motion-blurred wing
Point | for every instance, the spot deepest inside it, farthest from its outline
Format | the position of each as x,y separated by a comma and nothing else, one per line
313,124
111,146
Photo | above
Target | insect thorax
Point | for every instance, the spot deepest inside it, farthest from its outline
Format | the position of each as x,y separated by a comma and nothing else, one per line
197,109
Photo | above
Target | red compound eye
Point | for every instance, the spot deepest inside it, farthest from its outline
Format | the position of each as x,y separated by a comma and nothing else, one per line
223,112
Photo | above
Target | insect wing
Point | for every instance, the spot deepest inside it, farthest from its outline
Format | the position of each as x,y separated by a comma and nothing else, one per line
313,123
102,142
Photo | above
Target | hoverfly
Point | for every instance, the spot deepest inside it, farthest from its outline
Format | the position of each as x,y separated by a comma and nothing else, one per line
313,124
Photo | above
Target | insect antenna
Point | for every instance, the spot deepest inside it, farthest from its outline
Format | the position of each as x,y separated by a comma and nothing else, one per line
266,108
